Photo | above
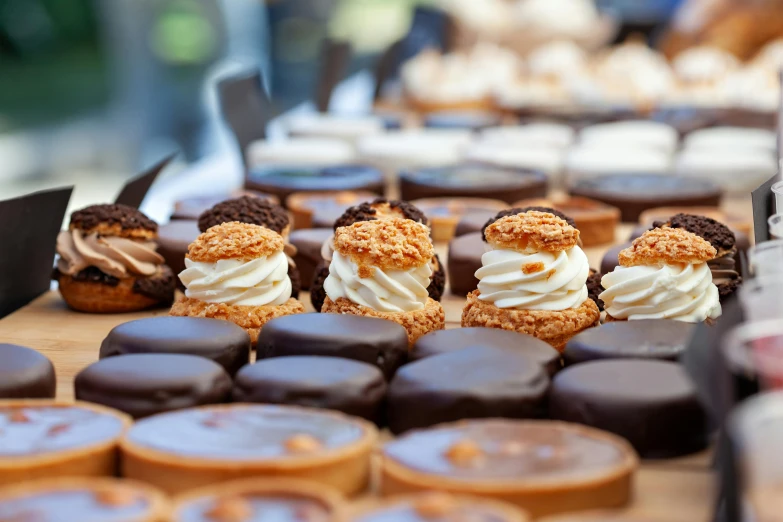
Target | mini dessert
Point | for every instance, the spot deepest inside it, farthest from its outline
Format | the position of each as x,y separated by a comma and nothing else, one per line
737,171
284,181
651,404
426,507
332,383
325,125
635,193
108,262
595,221
297,154
83,499
544,467
237,272
632,134
738,223
724,266
533,135
462,119
447,341
191,208
285,500
734,138
221,341
704,65
610,260
366,339
173,241
25,374
548,160
445,213
143,384
255,211
45,439
187,449
533,280
476,382
643,339
322,209
586,162
380,208
464,260
663,275
308,243
479,181
382,268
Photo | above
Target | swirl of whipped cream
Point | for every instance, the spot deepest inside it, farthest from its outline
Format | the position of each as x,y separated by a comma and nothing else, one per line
115,256
327,249
258,282
683,292
383,291
534,281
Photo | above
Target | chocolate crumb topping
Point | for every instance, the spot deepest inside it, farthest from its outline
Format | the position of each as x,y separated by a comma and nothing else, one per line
438,281
93,274
719,235
594,288
247,209
727,289
517,210
159,286
367,212
317,292
128,218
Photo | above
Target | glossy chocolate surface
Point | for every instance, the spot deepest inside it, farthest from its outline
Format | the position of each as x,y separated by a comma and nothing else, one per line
476,382
464,258
639,339
507,450
244,432
308,243
221,341
25,374
28,431
374,341
76,505
652,404
284,181
333,383
473,221
507,185
173,240
260,507
144,384
610,260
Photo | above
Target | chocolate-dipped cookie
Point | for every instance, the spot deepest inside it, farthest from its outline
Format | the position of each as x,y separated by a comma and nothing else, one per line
652,404
476,382
25,374
308,243
374,341
464,259
221,341
143,384
332,383
173,241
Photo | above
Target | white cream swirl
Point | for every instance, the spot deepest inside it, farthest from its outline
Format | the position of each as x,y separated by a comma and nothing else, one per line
258,282
383,291
683,292
534,281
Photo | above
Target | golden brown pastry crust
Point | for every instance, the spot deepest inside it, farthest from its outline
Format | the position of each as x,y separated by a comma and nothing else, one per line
553,327
116,230
235,240
416,323
667,245
99,298
388,244
532,231
251,318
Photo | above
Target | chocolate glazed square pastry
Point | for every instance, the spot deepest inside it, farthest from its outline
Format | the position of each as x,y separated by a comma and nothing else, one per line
108,263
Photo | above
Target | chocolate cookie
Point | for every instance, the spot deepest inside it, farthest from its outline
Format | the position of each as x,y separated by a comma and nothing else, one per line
438,282
25,374
464,259
173,241
247,209
308,243
594,288
317,292
124,216
504,184
719,235
159,286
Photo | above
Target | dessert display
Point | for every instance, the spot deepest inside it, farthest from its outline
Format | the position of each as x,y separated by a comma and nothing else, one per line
366,339
221,341
545,467
464,260
595,221
635,193
437,506
174,238
83,499
285,181
479,181
282,500
46,439
377,209
476,382
332,383
445,213
643,339
237,272
447,341
183,450
651,404
382,268
321,210
191,208
308,243
143,384
533,280
664,274
25,374
108,263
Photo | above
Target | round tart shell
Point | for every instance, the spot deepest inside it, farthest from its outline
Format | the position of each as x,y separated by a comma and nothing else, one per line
95,460
98,298
499,511
346,469
611,488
